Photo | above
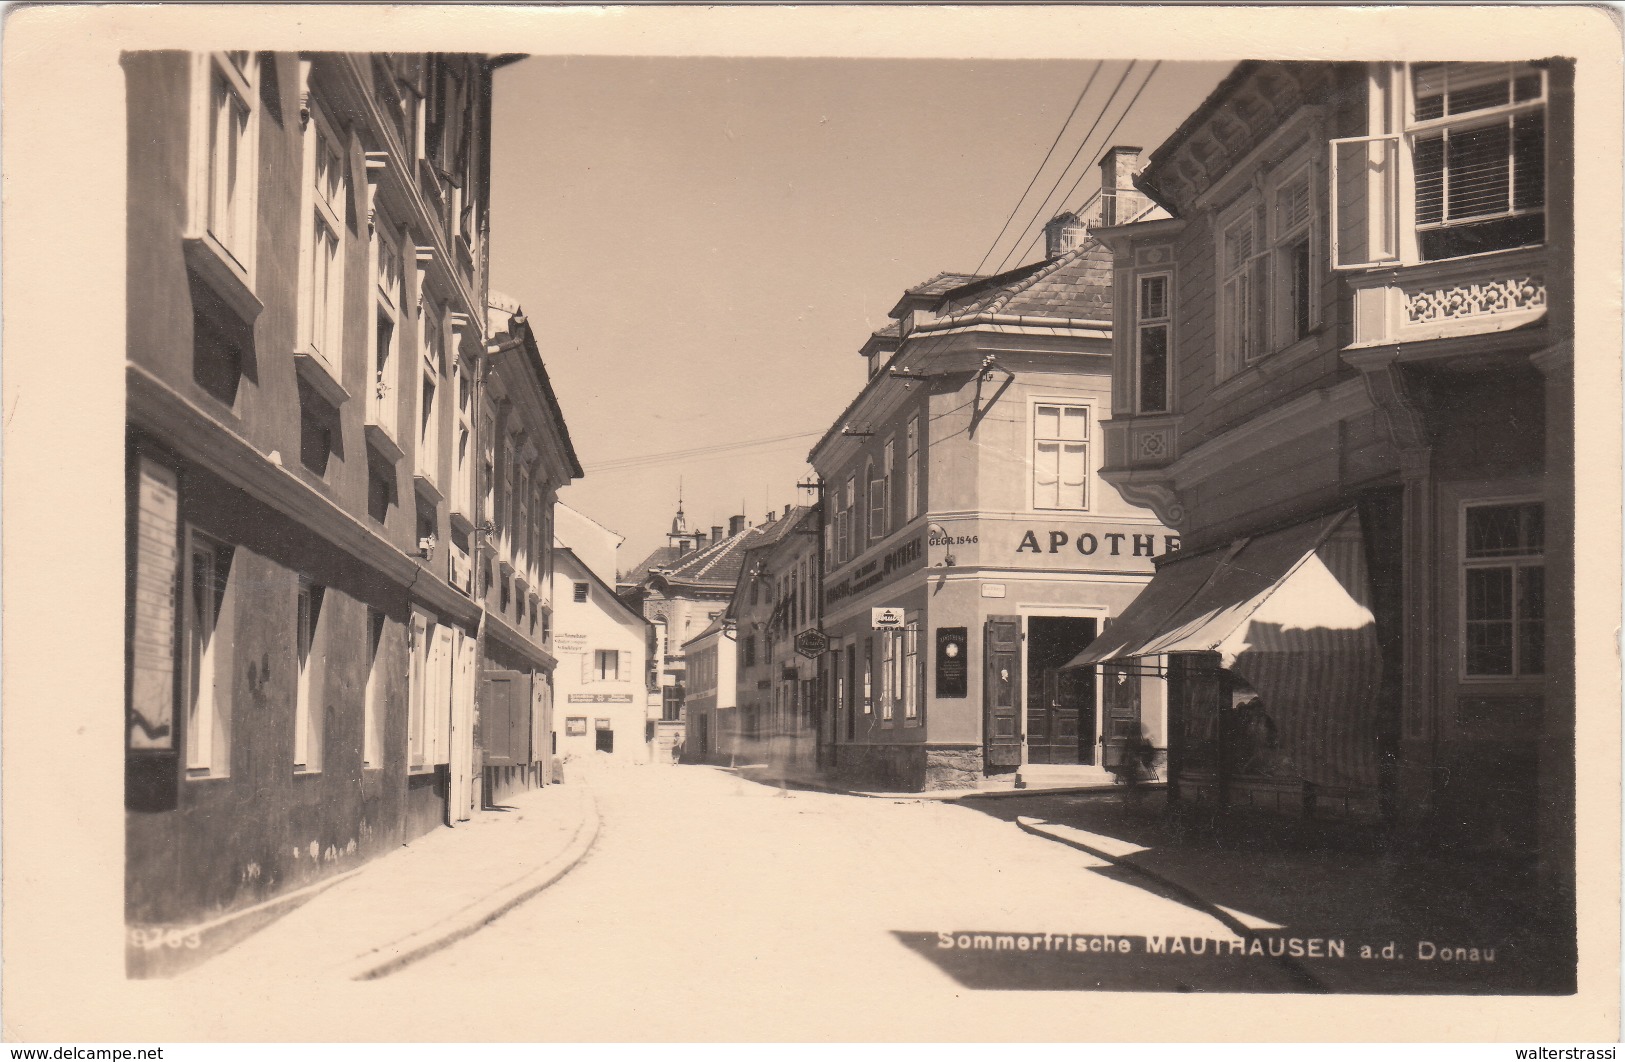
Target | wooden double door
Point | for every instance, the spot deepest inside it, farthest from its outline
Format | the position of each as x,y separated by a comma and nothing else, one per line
1060,704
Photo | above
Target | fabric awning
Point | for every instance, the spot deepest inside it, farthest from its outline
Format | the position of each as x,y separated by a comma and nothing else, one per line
1289,614
1198,603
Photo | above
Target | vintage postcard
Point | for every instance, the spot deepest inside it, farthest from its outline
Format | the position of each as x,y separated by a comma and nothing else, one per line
770,523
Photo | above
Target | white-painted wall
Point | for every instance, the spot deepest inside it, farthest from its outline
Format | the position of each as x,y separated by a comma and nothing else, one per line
580,629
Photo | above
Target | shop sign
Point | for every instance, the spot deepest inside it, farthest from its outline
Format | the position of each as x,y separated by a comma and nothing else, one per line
951,666
599,698
886,619
564,643
812,643
873,573
1090,543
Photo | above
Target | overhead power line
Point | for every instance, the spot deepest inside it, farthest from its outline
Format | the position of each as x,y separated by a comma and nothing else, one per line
641,460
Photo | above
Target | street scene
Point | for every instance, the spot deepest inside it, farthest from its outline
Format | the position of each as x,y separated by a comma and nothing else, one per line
526,582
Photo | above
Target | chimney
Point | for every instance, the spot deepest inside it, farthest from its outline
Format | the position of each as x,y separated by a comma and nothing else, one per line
1063,233
1119,199
736,524
787,510
682,544
716,532
771,516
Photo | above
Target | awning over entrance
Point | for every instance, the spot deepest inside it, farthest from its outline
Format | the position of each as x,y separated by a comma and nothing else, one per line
1202,602
1289,615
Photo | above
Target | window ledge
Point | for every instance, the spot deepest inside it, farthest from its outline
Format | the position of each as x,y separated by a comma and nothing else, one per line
426,487
214,265
461,520
322,378
382,440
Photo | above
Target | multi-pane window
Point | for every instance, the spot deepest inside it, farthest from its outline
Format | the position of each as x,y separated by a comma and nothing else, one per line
229,203
382,398
875,517
606,665
1293,239
911,469
868,676
889,663
843,521
888,459
432,344
1243,265
1478,142
206,689
1504,590
1151,334
327,188
1060,457
463,444
307,715
912,674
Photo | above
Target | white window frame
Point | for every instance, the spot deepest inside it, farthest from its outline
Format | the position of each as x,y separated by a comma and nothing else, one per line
1283,239
1242,285
1516,564
1036,440
888,462
374,707
1144,323
873,491
911,468
207,705
464,457
321,270
913,670
388,284
432,371
224,185
307,713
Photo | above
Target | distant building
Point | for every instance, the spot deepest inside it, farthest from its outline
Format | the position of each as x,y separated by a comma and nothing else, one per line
681,588
777,598
602,647
712,657
961,493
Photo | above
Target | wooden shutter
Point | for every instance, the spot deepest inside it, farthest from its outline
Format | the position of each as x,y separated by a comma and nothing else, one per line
1001,690
1364,201
504,718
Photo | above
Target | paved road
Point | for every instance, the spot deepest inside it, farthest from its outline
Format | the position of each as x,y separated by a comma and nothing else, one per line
716,907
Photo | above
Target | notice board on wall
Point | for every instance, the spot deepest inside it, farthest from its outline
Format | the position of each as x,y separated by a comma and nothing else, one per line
952,646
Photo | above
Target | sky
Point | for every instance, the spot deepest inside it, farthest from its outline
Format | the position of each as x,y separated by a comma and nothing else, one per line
702,244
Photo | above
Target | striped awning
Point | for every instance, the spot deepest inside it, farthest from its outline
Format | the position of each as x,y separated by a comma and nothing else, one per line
1290,613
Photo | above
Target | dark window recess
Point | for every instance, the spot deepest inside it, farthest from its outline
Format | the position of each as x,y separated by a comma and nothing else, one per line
381,487
1154,369
320,437
222,346
579,593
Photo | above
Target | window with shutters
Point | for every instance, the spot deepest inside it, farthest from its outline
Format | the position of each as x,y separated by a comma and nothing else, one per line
606,664
843,526
1060,456
1478,143
1153,327
1503,590
1293,237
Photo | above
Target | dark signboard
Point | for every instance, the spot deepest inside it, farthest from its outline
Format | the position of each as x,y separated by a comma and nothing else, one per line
812,643
952,647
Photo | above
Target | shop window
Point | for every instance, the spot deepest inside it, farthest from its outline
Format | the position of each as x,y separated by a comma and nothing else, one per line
307,713
205,671
888,673
419,696
913,674
1060,457
1153,324
868,676
1504,591
606,665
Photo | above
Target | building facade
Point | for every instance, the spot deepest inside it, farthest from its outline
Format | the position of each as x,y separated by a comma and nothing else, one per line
778,597
961,493
1343,373
681,588
306,325
711,729
602,645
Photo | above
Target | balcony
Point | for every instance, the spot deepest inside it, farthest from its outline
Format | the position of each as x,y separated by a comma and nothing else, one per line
1476,295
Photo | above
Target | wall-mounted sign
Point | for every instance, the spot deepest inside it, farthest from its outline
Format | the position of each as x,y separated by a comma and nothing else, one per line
952,646
812,643
1099,542
872,573
157,574
886,619
599,698
992,589
575,725
603,724
565,643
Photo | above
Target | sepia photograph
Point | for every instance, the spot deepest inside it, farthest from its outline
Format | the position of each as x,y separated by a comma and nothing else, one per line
1031,524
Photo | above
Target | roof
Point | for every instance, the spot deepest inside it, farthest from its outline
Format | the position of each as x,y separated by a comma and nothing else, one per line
771,534
711,628
937,285
713,566
1073,286
660,558
519,327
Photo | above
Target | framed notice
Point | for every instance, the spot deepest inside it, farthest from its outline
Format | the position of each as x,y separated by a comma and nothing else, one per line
952,645
151,717
575,726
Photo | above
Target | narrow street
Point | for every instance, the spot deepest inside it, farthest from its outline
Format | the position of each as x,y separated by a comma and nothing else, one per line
706,890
